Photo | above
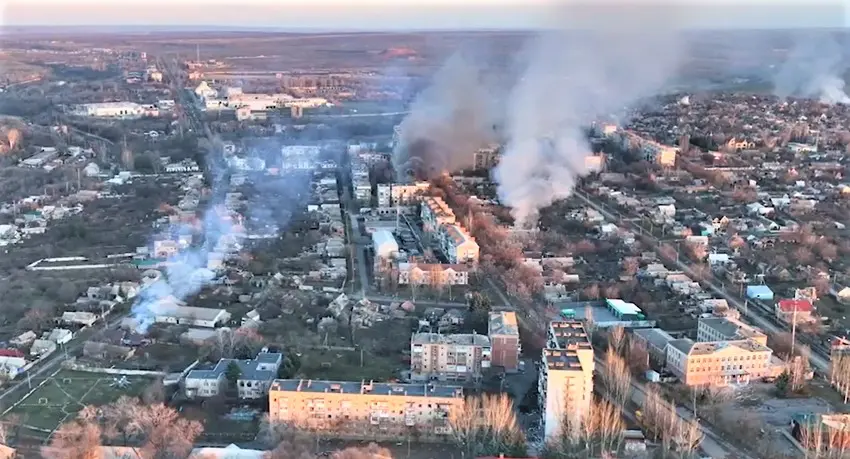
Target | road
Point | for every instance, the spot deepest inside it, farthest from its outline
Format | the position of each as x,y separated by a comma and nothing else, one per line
712,444
751,314
53,362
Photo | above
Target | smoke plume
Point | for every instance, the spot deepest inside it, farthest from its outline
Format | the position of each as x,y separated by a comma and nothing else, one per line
814,67
597,62
452,117
222,233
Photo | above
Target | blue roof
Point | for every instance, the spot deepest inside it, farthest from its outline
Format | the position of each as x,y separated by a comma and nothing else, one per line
759,290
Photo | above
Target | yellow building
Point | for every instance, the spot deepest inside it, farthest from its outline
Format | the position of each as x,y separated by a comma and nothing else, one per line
458,245
719,363
565,383
435,213
364,410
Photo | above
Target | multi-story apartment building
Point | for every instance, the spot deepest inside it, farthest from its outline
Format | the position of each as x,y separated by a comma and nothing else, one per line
457,245
436,275
651,150
565,383
728,329
486,157
366,410
719,363
504,340
460,357
397,194
435,213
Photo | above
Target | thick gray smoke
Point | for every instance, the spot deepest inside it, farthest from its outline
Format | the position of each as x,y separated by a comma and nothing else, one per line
597,62
454,116
814,67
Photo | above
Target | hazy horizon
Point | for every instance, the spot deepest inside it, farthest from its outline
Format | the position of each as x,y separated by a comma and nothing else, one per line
391,15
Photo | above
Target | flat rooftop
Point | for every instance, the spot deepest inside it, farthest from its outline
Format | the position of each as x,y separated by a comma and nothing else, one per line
503,323
731,328
366,388
457,339
569,334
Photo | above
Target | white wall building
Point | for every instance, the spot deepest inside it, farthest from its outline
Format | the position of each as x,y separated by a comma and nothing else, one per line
565,383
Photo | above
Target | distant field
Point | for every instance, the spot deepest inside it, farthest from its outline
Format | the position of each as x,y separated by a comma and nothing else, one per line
64,394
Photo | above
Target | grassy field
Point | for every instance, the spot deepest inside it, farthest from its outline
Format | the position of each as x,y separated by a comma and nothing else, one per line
64,394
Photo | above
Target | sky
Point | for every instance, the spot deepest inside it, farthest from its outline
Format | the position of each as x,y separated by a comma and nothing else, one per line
399,14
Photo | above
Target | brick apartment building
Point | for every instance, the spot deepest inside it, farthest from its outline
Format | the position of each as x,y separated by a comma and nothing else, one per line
504,340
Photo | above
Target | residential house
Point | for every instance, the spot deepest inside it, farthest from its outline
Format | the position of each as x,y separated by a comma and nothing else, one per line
11,362
105,351
789,311
85,319
255,377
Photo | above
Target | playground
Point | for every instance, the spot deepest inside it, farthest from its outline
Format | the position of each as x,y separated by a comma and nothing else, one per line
60,396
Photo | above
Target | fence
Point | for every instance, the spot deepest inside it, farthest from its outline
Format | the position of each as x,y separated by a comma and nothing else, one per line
111,371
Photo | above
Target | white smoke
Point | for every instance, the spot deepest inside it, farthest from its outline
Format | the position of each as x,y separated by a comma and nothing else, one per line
597,62
814,68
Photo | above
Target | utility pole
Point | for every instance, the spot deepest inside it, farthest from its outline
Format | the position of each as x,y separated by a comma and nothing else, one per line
793,330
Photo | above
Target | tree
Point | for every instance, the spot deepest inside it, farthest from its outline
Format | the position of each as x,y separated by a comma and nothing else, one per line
164,434
76,440
232,373
617,378
638,356
839,373
486,425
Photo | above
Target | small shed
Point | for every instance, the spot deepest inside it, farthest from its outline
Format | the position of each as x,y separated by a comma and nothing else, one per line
759,292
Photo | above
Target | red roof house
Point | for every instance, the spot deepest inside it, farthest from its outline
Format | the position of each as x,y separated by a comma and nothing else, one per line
787,310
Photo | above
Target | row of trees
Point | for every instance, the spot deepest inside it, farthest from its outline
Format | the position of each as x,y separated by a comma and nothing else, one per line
156,429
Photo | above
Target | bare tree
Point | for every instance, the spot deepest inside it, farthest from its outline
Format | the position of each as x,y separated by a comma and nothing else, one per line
165,434
617,378
617,339
487,425
839,375
638,356
76,440
372,451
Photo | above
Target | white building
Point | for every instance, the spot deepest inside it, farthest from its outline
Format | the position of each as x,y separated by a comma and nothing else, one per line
255,377
172,311
204,91
117,110
565,383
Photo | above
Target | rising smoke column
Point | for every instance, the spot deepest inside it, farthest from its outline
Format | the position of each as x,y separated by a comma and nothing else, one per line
451,118
814,67
596,62
187,273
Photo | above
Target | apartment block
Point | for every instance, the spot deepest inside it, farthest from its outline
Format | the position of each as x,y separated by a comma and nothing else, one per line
457,245
365,410
486,158
504,340
728,329
720,363
565,384
399,194
435,213
458,357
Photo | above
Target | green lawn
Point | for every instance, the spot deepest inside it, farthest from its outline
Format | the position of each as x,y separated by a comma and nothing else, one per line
66,393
